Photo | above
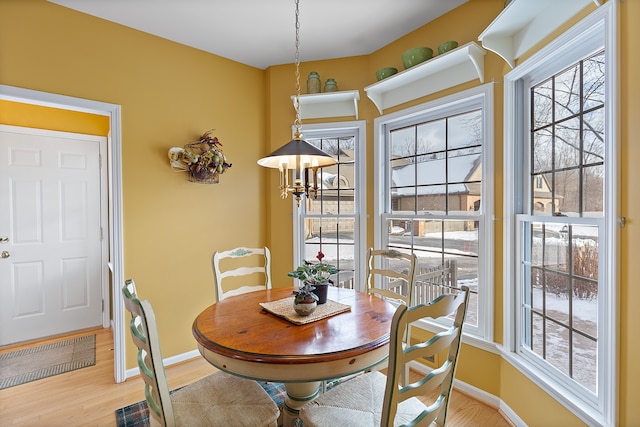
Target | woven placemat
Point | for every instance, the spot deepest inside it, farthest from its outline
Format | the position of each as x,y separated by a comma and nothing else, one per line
284,308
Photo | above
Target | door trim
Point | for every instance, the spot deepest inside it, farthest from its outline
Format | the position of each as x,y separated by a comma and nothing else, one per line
114,174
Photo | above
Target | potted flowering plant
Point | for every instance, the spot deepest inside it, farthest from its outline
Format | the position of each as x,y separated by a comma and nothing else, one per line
305,294
203,159
305,301
315,278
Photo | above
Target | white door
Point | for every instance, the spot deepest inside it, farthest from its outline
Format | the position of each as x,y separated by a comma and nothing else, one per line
50,236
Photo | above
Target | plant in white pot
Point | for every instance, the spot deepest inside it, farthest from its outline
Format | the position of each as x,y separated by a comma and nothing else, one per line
317,275
305,301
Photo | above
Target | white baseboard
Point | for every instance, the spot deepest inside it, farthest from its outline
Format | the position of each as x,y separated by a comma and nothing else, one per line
478,394
167,362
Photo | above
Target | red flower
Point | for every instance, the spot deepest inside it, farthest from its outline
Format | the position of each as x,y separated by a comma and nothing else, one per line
320,256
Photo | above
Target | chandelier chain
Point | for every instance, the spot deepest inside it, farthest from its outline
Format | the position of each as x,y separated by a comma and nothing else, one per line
296,123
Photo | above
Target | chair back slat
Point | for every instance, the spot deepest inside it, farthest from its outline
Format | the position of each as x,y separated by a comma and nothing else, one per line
144,333
391,274
260,259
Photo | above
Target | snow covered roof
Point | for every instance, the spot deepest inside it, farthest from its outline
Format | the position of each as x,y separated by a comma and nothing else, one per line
432,172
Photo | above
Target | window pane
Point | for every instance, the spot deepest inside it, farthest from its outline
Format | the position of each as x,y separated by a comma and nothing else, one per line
465,130
334,238
584,364
593,86
403,143
336,184
432,170
542,150
542,196
542,104
568,191
593,195
556,247
403,173
537,340
400,232
447,260
593,135
464,182
567,93
432,198
431,137
557,350
537,294
567,146
556,296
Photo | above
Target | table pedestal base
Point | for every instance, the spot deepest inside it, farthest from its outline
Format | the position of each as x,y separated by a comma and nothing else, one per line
298,394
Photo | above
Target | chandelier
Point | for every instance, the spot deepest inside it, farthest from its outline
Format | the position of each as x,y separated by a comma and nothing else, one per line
298,156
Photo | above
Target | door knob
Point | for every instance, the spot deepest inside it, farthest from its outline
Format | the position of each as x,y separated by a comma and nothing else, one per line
5,254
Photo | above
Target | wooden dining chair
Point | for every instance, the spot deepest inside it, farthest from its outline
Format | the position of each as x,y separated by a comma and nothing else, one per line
244,263
374,400
391,274
219,399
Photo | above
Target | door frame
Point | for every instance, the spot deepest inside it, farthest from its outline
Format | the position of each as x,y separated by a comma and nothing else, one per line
114,195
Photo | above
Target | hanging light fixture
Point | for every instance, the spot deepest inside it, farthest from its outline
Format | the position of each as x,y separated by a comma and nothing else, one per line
298,156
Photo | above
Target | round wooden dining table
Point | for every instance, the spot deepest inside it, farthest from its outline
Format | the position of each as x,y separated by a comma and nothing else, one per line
238,336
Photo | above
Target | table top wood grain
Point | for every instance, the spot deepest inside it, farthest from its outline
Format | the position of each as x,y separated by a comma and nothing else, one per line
238,328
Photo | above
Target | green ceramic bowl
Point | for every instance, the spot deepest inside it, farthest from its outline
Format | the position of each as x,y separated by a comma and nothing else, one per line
385,72
447,46
416,55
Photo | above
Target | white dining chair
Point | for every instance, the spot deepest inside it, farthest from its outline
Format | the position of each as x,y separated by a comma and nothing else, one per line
391,275
248,264
220,399
376,400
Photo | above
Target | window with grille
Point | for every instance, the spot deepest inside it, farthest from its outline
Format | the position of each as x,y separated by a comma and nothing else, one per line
560,218
332,223
561,262
434,172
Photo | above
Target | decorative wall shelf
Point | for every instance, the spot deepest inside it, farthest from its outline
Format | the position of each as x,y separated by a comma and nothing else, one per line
523,23
457,66
330,104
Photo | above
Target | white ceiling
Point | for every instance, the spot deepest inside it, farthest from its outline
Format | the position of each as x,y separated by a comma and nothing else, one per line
261,33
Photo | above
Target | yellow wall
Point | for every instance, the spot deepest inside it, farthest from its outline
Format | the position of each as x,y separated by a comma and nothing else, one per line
629,268
170,94
35,116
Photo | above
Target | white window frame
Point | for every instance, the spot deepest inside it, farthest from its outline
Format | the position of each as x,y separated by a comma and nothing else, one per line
595,32
331,130
480,97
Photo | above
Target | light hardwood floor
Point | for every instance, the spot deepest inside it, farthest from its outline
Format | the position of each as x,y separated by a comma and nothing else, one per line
89,396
